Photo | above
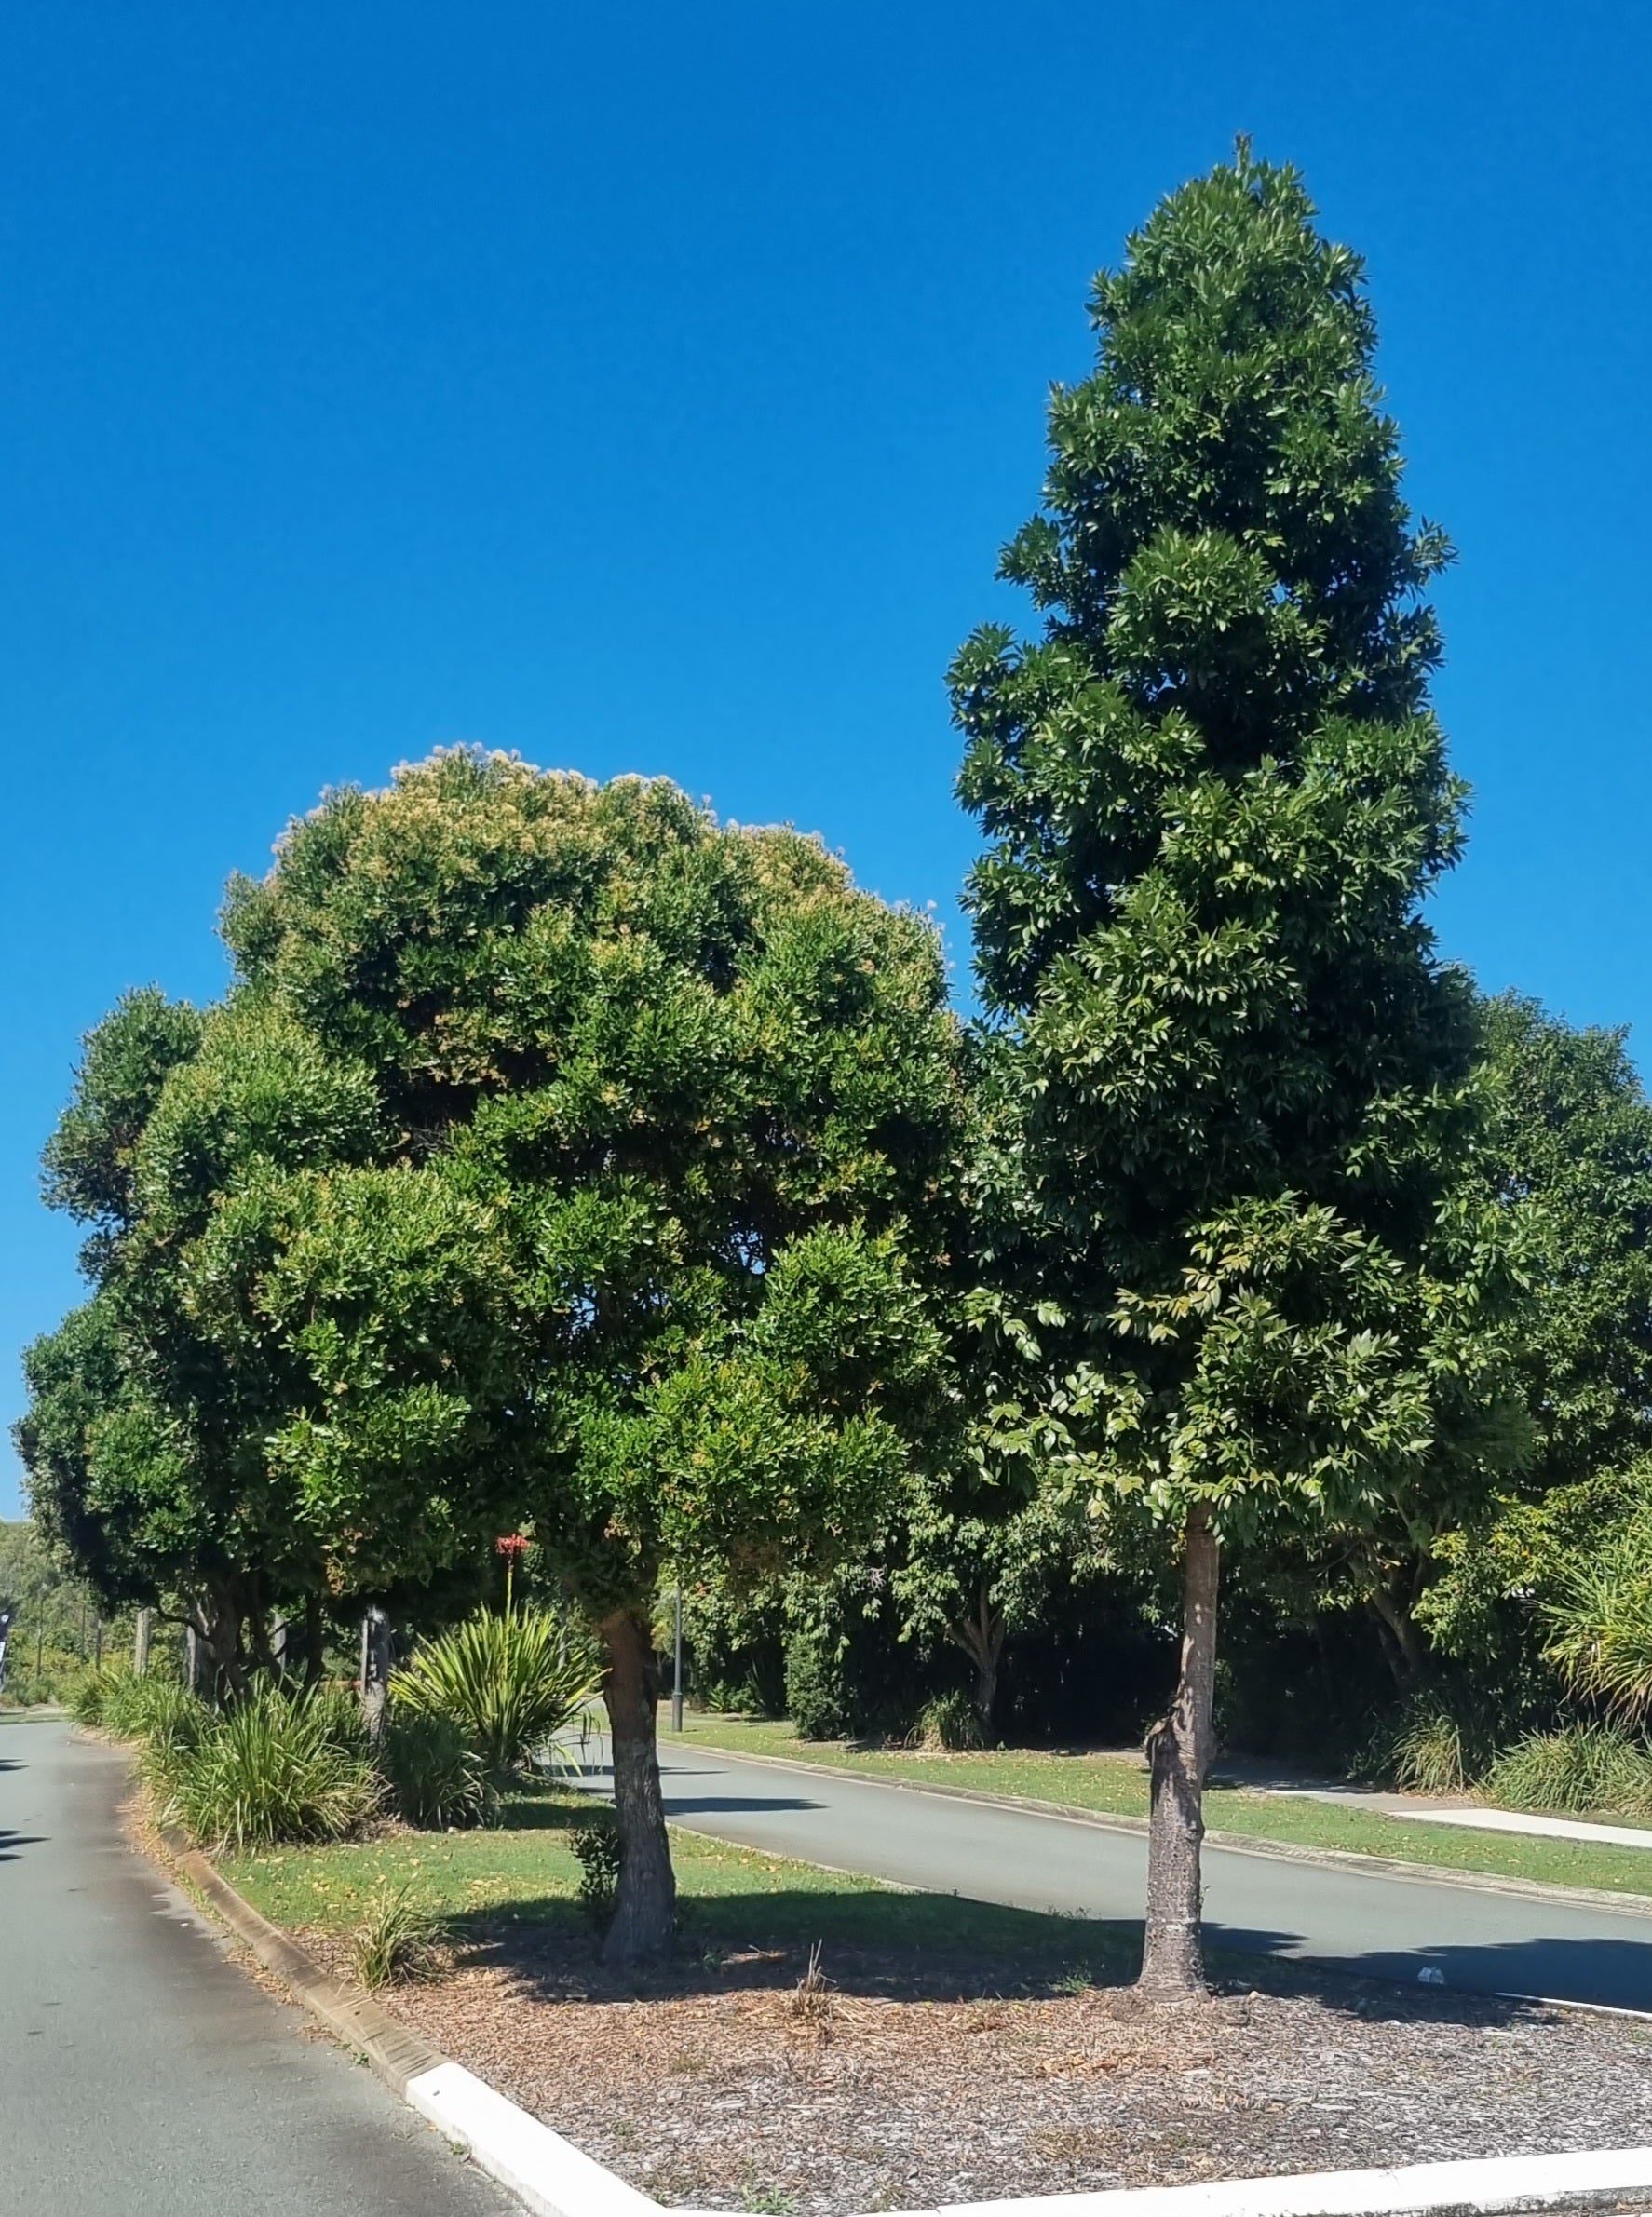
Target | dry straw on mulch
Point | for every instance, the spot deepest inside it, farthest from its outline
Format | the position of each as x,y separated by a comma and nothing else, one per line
742,2081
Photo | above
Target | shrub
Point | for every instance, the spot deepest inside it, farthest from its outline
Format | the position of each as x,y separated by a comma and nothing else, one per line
87,1706
172,1720
1580,1767
1434,1746
396,1940
508,1683
1601,1630
597,1847
337,1709
950,1721
435,1775
265,1772
816,1697
152,1709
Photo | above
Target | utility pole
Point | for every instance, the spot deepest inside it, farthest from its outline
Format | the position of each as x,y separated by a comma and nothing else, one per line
677,1660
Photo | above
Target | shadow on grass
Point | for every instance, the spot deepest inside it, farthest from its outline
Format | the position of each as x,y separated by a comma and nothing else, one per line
898,1947
915,1946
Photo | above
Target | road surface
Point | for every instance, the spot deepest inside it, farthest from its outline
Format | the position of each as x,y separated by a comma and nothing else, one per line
1481,1940
142,2075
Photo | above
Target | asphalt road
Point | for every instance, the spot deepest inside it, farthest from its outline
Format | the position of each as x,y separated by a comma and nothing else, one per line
1481,1940
142,2075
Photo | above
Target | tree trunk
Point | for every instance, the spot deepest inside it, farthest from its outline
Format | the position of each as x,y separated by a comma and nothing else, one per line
141,1633
315,1648
981,1638
1408,1659
1179,1751
375,1671
645,1907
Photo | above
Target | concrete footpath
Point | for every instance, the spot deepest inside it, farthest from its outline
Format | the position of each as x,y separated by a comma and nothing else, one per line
1474,1938
142,2073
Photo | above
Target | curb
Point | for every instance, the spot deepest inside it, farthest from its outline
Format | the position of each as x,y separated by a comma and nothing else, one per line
1330,1858
1494,2188
547,2172
555,2179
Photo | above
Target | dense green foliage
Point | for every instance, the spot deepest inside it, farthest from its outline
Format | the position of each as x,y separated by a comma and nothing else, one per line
562,1161
436,1776
267,1769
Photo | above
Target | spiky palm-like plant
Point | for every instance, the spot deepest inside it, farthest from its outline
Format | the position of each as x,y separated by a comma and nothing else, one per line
508,1683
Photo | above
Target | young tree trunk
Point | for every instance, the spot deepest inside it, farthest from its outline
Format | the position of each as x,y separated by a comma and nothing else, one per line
645,1907
315,1648
141,1635
1179,1751
375,1671
1408,1659
981,1638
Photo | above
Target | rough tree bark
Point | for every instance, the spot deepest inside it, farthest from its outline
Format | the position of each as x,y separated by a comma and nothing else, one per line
212,1663
645,1904
1179,1748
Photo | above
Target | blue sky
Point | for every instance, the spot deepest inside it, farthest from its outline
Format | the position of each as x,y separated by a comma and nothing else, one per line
651,388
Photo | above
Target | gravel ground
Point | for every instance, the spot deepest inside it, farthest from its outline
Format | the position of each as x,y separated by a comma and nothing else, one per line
903,2083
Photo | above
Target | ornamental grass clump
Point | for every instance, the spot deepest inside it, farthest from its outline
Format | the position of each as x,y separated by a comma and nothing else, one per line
434,1776
158,1711
396,1940
266,1771
1579,1768
947,1724
508,1683
1434,1746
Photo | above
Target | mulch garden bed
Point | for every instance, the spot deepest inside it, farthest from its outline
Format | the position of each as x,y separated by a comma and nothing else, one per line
893,2082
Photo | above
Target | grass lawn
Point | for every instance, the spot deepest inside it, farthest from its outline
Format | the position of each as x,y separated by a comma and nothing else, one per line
523,1872
1116,1785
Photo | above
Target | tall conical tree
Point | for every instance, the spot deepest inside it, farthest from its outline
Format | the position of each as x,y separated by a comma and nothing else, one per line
1214,799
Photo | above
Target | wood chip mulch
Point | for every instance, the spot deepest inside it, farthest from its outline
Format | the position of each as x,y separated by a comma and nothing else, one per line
898,2085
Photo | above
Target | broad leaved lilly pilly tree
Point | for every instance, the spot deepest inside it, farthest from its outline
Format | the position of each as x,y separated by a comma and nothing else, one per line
700,1093
1214,799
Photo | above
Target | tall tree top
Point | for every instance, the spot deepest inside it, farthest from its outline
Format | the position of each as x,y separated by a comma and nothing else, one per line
1222,558
1233,397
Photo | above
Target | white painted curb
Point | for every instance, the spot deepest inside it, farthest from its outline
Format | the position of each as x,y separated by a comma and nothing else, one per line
556,2180
541,2168
1471,2189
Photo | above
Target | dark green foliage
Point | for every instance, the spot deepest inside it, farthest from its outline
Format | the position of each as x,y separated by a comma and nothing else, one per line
817,1700
1570,1145
436,1777
692,1088
1434,1744
90,1160
1214,799
948,1721
269,1769
598,1849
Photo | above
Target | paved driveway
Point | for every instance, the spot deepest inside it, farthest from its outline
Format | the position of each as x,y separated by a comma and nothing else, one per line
142,2075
